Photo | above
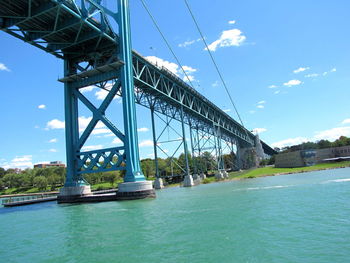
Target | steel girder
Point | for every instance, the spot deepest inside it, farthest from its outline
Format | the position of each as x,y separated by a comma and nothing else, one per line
80,31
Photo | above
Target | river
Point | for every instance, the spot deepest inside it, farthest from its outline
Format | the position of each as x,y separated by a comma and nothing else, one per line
288,218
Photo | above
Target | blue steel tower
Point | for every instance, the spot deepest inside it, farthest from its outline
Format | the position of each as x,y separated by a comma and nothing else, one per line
135,184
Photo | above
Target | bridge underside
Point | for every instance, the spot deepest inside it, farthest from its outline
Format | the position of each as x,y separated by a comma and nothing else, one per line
80,33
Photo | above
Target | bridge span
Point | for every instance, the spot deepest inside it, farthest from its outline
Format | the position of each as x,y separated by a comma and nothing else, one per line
81,34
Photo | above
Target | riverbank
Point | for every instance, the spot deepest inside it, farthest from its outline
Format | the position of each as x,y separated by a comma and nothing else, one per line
272,171
245,174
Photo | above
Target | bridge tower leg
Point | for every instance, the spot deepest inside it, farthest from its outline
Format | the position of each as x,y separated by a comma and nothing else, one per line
188,180
75,185
194,162
158,183
217,138
135,185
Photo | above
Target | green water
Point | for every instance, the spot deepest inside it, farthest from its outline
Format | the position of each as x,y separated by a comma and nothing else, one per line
290,218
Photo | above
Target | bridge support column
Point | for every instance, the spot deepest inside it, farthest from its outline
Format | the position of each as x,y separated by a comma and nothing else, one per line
158,183
188,180
219,175
135,184
75,186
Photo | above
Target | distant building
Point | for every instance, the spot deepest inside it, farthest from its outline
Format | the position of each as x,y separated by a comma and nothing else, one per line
311,157
51,164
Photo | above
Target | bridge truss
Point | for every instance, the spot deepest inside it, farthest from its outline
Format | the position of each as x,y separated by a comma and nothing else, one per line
81,33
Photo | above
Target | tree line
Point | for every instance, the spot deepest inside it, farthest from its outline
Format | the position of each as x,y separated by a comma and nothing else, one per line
322,144
52,178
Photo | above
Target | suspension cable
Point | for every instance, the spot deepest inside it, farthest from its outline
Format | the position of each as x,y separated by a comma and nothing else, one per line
213,60
166,41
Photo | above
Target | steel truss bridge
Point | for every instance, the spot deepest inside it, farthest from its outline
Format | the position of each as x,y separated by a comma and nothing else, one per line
81,34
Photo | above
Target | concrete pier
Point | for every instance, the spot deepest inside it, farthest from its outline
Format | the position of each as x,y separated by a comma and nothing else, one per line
135,190
68,194
188,181
158,183
219,176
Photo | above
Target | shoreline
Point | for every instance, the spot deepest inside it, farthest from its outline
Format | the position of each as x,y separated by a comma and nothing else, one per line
235,176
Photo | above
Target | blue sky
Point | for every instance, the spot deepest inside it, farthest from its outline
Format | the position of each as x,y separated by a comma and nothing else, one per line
286,64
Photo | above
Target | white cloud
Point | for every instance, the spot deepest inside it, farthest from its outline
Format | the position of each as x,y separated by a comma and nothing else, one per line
228,38
92,147
143,129
53,140
83,123
187,43
42,106
313,75
259,130
277,92
3,67
260,106
346,121
301,69
262,102
252,111
173,67
87,89
215,84
117,141
189,69
24,158
331,71
293,82
226,110
55,124
101,94
146,143
289,142
272,87
36,127
332,134
21,162
53,150
232,22
102,131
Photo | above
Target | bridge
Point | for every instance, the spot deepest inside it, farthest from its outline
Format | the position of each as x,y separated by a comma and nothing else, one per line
82,34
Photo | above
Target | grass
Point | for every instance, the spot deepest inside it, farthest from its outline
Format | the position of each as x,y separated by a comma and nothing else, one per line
270,171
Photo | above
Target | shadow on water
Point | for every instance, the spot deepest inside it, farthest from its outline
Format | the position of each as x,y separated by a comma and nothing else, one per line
24,208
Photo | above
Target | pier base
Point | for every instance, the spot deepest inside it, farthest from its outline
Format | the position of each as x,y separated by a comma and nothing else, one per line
195,177
203,176
188,181
70,193
135,190
225,174
219,176
158,183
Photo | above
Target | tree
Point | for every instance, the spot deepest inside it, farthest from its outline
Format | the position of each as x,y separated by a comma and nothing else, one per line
110,177
322,144
148,167
2,172
40,182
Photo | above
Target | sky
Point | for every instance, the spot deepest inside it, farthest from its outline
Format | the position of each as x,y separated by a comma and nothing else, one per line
286,65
